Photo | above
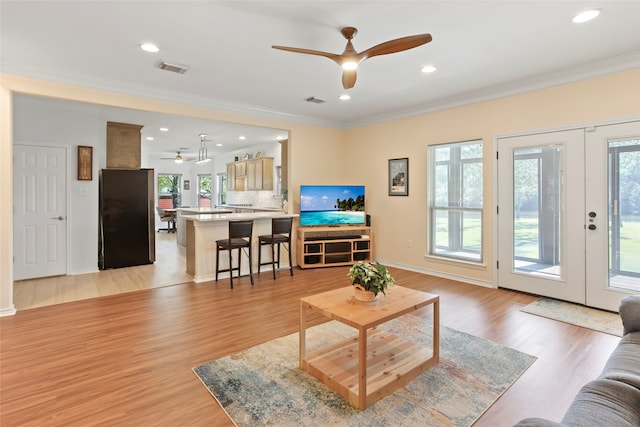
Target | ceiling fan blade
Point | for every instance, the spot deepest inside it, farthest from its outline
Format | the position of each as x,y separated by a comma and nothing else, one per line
396,45
349,78
332,56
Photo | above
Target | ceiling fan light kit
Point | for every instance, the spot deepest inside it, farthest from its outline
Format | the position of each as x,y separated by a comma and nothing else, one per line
350,58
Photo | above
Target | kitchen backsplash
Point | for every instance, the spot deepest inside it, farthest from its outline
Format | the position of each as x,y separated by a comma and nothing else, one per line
263,199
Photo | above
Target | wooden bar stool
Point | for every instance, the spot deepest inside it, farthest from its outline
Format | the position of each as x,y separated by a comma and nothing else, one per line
240,233
280,235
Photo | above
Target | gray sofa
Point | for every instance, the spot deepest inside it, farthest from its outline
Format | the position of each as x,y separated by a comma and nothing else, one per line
613,399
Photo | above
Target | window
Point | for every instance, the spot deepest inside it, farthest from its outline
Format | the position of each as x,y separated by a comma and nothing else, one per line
204,190
222,188
169,195
455,200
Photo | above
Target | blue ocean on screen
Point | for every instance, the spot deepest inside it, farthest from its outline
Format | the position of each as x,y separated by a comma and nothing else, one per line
331,205
331,217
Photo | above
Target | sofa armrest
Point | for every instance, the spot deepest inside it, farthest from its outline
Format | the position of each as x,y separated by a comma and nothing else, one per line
630,313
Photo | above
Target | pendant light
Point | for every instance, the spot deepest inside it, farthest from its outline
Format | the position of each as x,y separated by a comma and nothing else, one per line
203,157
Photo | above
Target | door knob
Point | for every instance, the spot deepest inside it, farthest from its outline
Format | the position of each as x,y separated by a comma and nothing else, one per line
592,214
59,218
592,227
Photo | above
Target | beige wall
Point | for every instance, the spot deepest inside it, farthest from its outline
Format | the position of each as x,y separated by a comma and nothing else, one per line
399,219
326,156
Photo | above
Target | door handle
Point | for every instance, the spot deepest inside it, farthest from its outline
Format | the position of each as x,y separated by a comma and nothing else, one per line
592,227
59,218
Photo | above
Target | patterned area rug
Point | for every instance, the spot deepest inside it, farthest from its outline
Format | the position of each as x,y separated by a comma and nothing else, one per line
264,386
575,314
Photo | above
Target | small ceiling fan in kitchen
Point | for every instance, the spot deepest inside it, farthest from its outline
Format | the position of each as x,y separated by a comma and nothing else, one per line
350,58
178,158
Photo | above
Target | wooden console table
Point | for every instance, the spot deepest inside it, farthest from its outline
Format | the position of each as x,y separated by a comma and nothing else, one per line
384,362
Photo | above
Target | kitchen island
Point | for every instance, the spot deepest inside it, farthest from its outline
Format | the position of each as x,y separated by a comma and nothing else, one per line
202,231
181,223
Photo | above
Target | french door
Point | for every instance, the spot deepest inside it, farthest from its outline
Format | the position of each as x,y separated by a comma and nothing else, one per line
569,214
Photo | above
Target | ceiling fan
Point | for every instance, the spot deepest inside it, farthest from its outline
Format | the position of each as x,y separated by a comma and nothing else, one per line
178,158
350,58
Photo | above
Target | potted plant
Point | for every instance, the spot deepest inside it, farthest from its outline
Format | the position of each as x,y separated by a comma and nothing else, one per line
369,279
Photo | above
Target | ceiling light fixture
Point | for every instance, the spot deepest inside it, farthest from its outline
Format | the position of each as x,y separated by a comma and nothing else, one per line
345,97
585,16
241,137
428,69
203,157
149,47
164,129
178,158
150,138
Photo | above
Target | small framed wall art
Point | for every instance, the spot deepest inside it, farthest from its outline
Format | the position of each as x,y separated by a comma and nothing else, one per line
85,163
399,177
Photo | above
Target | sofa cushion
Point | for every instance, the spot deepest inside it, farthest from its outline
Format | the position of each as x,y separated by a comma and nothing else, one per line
537,422
624,363
605,402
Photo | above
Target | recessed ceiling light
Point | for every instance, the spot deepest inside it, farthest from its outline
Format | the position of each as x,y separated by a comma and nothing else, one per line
345,97
149,138
428,69
218,145
242,137
164,129
585,16
149,47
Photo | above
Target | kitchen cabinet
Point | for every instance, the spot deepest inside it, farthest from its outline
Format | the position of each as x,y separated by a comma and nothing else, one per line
231,177
250,175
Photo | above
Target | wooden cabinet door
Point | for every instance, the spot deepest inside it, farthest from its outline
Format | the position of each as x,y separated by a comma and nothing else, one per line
254,175
231,177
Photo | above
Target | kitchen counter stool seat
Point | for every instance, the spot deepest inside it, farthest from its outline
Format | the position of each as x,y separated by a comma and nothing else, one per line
240,234
280,235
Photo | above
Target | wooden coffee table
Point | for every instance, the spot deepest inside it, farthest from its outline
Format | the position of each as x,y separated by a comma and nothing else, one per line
371,366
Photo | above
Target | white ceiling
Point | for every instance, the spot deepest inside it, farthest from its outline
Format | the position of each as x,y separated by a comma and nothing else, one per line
482,49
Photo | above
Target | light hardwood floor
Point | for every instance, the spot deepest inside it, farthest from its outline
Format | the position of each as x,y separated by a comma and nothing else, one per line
126,359
167,270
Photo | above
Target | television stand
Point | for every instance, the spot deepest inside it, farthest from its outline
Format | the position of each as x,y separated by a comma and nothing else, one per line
333,246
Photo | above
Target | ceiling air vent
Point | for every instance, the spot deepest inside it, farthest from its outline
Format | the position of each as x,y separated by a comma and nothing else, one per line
315,100
180,69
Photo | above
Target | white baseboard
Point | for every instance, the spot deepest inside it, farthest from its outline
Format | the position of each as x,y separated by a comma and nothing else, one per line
10,311
455,277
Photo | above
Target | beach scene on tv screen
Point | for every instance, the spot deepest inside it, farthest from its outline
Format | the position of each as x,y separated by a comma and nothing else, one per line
331,204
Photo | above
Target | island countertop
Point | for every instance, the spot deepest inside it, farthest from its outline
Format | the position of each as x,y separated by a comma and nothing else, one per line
209,217
202,230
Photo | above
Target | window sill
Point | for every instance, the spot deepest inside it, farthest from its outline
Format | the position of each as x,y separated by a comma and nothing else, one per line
457,262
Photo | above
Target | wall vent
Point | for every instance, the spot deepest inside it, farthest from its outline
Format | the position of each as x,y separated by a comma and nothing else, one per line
180,69
315,100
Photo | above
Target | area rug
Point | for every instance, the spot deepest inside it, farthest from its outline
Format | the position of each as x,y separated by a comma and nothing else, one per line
263,385
575,314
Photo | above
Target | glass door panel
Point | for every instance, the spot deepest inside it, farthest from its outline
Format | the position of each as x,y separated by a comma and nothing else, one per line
537,217
624,214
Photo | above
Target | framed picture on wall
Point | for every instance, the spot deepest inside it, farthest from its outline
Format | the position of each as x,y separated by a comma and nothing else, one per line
85,163
399,177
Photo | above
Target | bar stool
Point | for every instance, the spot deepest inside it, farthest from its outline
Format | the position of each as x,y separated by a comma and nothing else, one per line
239,238
280,235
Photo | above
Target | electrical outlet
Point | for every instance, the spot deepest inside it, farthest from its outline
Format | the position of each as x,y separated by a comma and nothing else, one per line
409,243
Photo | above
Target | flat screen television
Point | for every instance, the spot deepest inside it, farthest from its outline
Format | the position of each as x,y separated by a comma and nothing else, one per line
331,205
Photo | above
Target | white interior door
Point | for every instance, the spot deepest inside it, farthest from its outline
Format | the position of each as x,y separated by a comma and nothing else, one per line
540,216
40,235
612,214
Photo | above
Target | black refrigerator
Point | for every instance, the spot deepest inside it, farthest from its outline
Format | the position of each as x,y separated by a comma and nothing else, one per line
127,218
